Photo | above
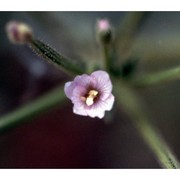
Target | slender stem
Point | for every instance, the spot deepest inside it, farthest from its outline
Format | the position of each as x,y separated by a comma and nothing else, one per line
110,59
107,60
157,78
51,55
127,99
128,29
33,109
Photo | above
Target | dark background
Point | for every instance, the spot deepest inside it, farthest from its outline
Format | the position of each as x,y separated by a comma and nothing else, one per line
61,139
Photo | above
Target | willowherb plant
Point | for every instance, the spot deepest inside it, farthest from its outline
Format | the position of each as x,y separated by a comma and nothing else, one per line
91,93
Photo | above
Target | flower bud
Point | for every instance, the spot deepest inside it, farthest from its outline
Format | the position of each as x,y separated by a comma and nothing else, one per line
104,30
18,32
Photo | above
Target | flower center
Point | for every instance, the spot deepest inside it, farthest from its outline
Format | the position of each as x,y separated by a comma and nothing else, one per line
90,98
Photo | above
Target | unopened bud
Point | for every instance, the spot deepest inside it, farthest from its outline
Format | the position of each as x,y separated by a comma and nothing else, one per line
18,32
104,30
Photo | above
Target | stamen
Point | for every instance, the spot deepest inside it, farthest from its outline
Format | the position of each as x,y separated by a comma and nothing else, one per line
91,96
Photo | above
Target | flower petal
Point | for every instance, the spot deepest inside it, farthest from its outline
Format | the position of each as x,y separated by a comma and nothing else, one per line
101,76
95,111
77,100
80,110
107,104
98,109
68,89
84,81
78,94
103,83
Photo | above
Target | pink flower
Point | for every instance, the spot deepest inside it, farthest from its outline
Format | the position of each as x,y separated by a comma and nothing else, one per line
103,25
91,94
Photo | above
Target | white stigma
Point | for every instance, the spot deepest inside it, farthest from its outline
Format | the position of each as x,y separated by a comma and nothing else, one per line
91,96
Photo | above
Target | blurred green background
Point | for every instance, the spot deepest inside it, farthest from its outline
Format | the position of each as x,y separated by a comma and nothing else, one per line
61,139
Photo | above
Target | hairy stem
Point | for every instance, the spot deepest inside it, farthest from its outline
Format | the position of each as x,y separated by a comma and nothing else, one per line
128,100
157,78
51,55
33,109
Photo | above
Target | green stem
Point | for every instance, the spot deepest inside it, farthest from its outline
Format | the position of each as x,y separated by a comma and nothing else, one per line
107,60
33,109
128,100
110,59
157,78
51,55
128,29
